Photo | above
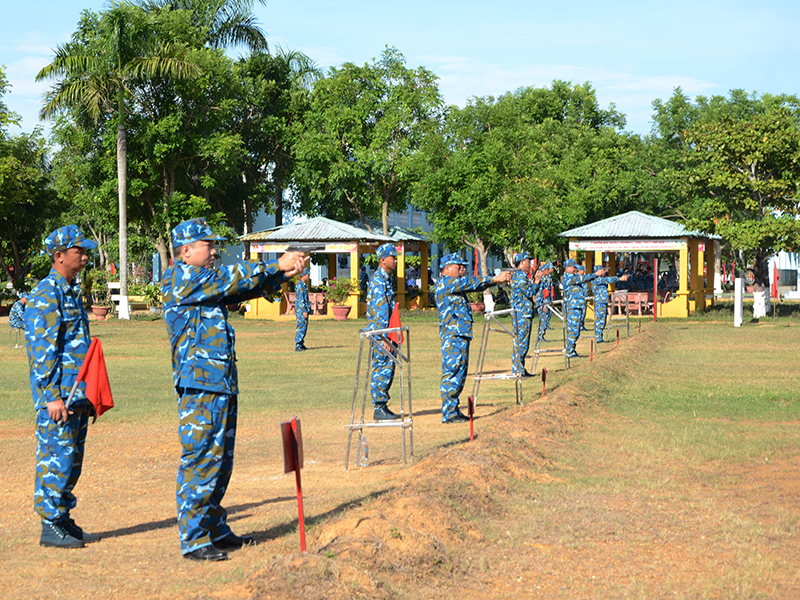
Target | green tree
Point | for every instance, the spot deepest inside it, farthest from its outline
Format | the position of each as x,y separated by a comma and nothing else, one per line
354,153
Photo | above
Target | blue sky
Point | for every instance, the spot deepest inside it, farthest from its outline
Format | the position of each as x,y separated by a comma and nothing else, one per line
631,52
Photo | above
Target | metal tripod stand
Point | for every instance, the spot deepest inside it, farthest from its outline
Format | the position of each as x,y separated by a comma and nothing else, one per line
490,323
375,339
537,348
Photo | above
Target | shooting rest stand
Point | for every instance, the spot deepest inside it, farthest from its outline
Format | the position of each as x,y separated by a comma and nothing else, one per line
15,335
375,339
537,347
620,296
490,318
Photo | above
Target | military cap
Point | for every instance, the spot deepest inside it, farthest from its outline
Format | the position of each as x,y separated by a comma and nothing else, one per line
451,259
581,267
570,262
193,230
385,250
304,273
599,268
545,266
519,257
64,238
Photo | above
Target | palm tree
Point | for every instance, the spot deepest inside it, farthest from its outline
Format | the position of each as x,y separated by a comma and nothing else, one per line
95,73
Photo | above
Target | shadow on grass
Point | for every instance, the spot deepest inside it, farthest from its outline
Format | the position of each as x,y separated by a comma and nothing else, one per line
173,522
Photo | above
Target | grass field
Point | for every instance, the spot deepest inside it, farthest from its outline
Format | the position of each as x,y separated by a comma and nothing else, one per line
666,468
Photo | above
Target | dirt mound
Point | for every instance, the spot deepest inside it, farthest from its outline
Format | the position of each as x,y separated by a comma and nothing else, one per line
421,527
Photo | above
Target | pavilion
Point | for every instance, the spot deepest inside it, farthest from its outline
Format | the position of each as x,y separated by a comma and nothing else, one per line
339,238
636,232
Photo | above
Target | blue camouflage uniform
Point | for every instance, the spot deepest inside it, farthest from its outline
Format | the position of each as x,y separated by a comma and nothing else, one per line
601,300
16,317
574,303
380,304
301,305
205,378
523,293
543,298
455,331
57,336
586,291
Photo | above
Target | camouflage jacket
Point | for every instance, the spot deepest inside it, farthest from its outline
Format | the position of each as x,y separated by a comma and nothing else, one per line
455,313
545,291
57,335
600,288
203,353
301,301
380,300
574,294
16,316
523,293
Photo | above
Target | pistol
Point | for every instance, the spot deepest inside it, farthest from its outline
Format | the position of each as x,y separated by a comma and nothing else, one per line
307,248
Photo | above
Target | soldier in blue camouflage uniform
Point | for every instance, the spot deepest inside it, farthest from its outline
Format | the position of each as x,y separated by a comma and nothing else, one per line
543,298
16,319
601,299
380,304
586,291
574,303
455,328
523,293
205,377
57,335
302,308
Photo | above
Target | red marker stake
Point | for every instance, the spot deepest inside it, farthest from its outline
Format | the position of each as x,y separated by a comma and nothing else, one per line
640,324
544,382
617,337
293,461
591,352
471,409
301,519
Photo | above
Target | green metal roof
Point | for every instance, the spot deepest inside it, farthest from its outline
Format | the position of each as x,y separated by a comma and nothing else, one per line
398,234
635,225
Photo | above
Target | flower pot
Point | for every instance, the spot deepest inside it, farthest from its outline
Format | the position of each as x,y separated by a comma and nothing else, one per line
477,307
100,312
340,312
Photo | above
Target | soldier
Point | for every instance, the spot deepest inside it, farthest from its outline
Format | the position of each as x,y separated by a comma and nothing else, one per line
455,328
380,304
16,318
205,377
523,292
302,307
57,334
544,296
585,291
600,292
573,303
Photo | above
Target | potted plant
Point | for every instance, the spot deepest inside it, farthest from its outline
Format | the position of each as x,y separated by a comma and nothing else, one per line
475,300
153,298
101,297
337,290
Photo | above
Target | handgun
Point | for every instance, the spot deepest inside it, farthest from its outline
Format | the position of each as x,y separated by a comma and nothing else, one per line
307,248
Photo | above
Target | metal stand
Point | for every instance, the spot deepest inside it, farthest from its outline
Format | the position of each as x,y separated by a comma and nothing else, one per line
375,338
490,318
622,297
537,348
15,335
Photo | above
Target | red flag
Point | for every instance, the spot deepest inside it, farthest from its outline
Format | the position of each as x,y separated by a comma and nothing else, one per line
394,321
776,275
113,269
93,372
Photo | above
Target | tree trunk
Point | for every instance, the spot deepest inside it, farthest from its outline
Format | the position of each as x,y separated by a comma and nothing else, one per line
163,255
122,182
278,204
385,217
760,285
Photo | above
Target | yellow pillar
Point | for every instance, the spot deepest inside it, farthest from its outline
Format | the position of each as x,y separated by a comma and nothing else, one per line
354,297
423,269
693,266
573,253
331,266
598,258
710,262
401,275
700,296
612,267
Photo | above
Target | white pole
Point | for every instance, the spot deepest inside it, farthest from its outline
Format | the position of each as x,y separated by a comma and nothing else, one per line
738,302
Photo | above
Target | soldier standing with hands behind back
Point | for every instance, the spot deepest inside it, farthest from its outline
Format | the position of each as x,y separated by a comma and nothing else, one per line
302,307
205,377
455,328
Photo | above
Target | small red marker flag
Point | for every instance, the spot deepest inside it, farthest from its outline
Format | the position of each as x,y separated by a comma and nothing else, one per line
394,321
591,352
292,437
544,382
618,336
471,410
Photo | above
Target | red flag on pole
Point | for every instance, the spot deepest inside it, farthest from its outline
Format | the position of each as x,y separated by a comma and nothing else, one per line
93,372
775,276
394,321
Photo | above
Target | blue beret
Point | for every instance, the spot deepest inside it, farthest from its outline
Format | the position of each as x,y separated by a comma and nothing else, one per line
518,258
385,250
64,238
193,230
570,262
451,259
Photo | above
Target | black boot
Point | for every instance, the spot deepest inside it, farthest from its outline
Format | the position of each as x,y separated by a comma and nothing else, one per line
382,413
55,535
75,531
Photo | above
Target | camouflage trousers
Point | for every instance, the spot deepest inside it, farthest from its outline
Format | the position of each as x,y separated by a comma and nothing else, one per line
207,429
573,317
59,459
455,362
522,335
600,316
300,333
544,318
382,377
